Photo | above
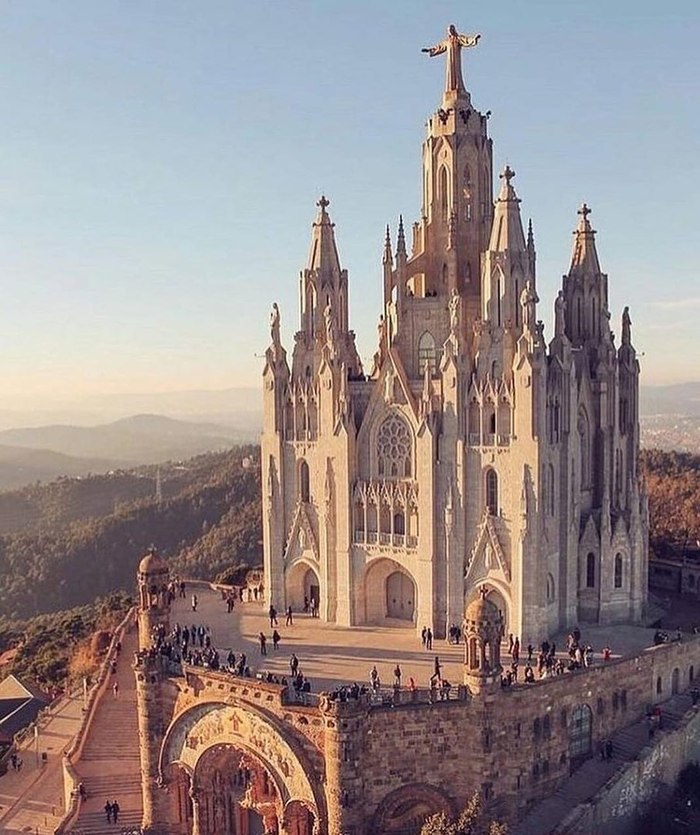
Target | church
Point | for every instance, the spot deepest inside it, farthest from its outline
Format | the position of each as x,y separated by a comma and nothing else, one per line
477,451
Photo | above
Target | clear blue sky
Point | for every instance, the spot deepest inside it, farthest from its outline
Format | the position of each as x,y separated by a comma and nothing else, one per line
160,161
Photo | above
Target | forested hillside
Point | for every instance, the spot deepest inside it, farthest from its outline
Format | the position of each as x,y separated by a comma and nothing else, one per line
76,539
673,485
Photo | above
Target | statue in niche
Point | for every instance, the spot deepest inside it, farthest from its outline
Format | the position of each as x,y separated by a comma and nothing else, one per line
528,302
559,314
389,385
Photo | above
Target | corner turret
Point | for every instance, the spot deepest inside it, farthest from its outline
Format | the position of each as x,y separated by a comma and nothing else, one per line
154,596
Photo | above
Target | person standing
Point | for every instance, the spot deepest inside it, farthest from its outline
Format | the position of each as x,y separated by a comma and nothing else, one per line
289,621
429,638
115,811
293,664
424,636
115,689
276,637
272,612
397,676
108,811
263,643
194,602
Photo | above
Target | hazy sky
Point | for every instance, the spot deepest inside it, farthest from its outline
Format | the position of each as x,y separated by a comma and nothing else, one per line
160,161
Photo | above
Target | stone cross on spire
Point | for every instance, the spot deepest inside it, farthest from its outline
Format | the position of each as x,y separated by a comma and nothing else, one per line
507,174
452,45
584,211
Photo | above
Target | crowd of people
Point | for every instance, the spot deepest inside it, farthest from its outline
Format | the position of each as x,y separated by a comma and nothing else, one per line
579,656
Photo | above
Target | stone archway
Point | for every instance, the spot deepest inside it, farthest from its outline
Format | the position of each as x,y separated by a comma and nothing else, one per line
235,794
404,811
244,768
390,592
302,584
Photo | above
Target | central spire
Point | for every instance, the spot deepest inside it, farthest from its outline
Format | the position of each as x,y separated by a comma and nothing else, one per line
452,45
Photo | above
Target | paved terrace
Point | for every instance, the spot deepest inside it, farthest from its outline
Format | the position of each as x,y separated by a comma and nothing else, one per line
331,656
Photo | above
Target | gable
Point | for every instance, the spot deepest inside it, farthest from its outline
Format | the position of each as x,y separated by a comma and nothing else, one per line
302,539
486,556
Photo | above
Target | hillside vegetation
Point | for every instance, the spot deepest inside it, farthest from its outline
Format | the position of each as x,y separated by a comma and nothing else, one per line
673,484
62,645
76,539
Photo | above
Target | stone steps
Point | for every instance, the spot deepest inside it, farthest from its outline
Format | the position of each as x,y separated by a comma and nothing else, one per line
587,780
95,823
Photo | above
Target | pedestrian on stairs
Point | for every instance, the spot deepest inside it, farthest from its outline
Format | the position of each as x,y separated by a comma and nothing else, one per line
115,689
108,811
115,811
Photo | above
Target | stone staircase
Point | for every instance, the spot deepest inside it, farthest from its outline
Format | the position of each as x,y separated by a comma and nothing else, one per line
109,766
590,778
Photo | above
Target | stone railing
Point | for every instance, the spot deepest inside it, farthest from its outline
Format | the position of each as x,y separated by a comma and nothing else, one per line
71,779
385,540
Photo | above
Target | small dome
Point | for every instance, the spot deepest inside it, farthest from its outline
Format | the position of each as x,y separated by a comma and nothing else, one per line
152,563
482,609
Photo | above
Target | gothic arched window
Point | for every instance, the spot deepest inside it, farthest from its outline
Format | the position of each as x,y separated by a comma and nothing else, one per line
394,448
427,353
444,193
467,193
618,571
492,491
590,571
585,448
304,481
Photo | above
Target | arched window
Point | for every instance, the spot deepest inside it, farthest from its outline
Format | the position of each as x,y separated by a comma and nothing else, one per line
546,727
691,674
427,354
394,448
618,571
659,686
492,491
444,193
580,729
537,729
304,489
550,490
590,571
550,588
585,448
467,193
399,523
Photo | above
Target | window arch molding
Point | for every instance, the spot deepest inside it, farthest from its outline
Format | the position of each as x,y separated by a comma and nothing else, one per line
427,353
393,447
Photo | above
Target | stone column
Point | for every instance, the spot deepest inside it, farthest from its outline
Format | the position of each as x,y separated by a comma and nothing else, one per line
196,798
149,706
344,725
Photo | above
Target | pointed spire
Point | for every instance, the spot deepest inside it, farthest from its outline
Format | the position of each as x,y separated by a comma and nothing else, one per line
388,259
584,257
323,253
507,227
530,237
401,240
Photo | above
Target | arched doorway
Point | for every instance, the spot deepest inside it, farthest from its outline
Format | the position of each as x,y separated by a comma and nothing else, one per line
389,593
400,596
302,584
235,793
675,681
298,819
404,811
580,734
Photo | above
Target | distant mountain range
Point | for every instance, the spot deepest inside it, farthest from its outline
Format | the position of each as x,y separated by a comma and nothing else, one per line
46,452
676,399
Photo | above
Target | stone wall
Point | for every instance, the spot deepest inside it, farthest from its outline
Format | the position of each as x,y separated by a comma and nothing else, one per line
368,761
616,808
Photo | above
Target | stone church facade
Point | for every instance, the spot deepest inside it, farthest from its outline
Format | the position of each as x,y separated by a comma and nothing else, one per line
475,450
